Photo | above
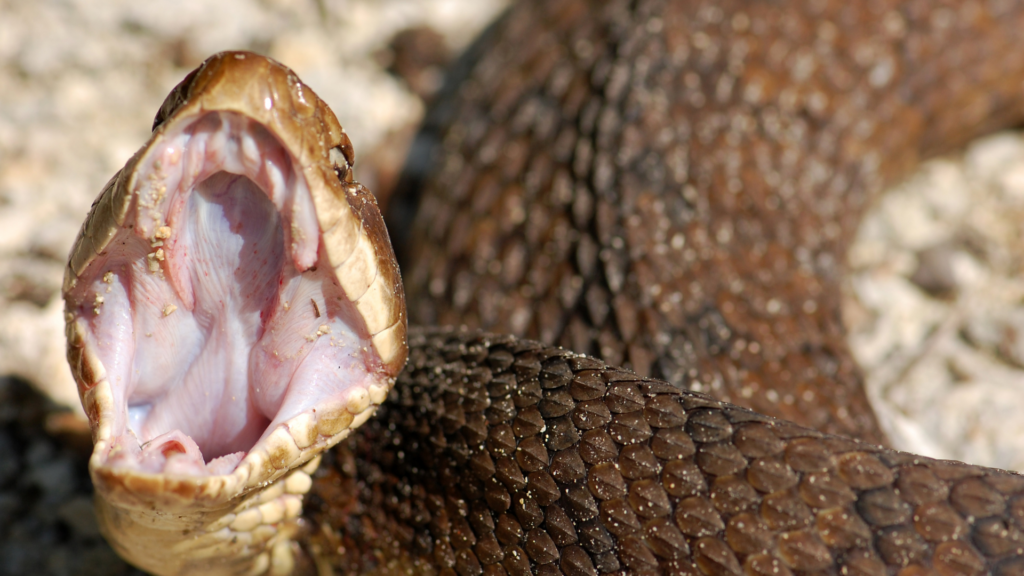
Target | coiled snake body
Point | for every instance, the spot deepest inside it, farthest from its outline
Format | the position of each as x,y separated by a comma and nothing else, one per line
668,184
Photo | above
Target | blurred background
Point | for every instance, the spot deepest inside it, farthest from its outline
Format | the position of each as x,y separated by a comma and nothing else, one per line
933,302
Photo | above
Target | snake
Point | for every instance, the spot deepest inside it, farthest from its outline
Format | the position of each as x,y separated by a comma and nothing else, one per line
668,186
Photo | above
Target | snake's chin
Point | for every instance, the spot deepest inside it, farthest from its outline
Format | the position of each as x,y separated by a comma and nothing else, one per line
214,315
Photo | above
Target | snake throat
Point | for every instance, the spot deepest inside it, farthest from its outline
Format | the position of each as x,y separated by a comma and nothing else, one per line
232,311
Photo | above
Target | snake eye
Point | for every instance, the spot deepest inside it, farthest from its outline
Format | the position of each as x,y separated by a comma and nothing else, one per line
341,165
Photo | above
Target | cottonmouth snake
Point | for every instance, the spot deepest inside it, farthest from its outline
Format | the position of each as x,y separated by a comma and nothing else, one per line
666,184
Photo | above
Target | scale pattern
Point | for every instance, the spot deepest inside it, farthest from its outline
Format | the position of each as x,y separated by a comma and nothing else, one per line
502,456
671,185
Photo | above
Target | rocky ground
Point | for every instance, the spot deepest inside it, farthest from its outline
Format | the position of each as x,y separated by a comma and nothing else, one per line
47,525
935,310
934,301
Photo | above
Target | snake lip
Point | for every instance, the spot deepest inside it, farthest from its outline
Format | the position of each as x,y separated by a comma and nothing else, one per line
233,305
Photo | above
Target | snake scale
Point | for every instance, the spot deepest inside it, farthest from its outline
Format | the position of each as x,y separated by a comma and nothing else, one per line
668,185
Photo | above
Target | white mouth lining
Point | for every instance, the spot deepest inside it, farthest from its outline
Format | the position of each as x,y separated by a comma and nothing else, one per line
228,145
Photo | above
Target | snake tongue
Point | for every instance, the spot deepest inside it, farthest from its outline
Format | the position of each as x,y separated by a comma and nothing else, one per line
215,312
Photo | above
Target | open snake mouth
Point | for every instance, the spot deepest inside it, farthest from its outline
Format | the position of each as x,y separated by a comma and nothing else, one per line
226,299
214,313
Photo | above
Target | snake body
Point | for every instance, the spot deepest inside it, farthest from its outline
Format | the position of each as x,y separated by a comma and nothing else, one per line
668,184
502,456
672,185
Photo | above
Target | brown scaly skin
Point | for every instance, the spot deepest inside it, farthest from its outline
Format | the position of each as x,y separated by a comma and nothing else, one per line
503,456
671,185
556,208
495,455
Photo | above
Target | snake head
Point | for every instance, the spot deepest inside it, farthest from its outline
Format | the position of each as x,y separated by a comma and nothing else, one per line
233,308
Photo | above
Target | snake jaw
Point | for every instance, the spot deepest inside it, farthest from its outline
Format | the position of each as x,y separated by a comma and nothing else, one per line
222,284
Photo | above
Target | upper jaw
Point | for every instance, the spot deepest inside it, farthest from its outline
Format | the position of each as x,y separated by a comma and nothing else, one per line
331,237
